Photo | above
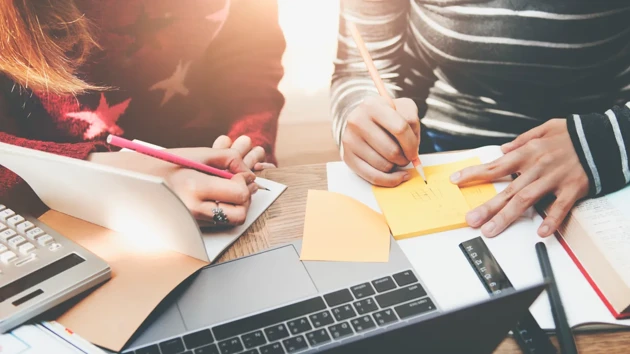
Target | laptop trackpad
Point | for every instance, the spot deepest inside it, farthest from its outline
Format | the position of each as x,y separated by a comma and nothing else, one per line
247,285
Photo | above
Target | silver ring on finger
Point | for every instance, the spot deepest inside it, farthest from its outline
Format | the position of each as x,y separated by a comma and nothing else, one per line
219,217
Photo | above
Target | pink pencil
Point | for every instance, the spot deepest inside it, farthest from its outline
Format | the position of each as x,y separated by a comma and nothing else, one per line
168,157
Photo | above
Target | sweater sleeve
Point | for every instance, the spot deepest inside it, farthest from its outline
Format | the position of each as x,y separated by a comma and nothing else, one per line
9,180
245,69
602,142
383,26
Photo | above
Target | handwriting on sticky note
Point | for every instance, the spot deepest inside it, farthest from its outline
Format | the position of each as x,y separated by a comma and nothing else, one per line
415,208
339,228
475,195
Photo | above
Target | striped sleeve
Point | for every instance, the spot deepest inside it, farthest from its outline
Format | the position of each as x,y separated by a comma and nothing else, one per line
382,25
602,142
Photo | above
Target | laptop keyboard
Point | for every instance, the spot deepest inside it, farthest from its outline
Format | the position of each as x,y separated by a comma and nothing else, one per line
309,323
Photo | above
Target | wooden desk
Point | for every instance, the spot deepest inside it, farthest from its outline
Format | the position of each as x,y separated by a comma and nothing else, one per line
284,221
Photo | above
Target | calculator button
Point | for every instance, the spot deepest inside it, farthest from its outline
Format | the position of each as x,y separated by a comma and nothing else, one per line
45,240
3,227
2,207
7,234
14,220
34,233
23,227
16,241
6,213
3,248
26,248
362,290
7,257
404,278
54,247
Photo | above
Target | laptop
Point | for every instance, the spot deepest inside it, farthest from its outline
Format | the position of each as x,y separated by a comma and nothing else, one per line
273,303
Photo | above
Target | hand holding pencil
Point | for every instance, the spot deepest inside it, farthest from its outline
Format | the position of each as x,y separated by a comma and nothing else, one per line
381,133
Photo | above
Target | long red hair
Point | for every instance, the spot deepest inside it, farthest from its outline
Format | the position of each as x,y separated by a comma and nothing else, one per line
42,45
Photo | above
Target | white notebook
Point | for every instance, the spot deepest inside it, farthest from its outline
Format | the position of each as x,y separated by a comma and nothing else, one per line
447,273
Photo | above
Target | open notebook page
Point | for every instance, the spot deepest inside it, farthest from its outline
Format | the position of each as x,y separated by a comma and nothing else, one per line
444,269
217,241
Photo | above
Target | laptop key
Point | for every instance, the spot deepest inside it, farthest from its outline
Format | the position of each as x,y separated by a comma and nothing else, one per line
362,290
405,278
253,339
295,344
268,318
363,323
318,337
251,351
414,308
321,319
172,346
384,317
152,349
208,349
365,306
230,346
401,295
276,332
344,312
299,325
384,284
197,339
340,330
338,297
274,348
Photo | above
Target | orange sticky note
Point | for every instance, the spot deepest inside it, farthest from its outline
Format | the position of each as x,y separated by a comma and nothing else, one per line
414,208
475,195
339,228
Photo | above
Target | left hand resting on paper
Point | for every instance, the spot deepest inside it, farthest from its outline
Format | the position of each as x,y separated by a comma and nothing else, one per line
253,156
546,162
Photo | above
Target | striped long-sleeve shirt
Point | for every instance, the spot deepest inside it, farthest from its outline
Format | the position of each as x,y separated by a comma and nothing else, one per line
495,69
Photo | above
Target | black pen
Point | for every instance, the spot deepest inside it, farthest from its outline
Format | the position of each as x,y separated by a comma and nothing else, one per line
563,331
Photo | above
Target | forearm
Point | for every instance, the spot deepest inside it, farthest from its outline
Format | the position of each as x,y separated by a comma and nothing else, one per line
382,25
602,142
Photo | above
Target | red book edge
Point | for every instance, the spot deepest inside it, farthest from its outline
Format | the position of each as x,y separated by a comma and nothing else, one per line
590,280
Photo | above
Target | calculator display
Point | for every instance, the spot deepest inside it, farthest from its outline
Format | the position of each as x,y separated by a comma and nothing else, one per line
39,276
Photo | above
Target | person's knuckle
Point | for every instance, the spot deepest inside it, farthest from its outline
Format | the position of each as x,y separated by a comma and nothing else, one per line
392,152
546,160
385,166
523,199
534,145
399,128
239,216
508,192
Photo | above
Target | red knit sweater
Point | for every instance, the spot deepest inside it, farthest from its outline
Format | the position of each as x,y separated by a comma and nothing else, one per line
183,73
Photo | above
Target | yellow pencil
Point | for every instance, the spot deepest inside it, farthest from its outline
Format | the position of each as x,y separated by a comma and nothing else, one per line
380,86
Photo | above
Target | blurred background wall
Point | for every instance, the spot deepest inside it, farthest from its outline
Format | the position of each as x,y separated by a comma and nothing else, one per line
310,29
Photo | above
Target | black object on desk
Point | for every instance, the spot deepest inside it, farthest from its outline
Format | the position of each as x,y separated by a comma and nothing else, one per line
563,331
527,333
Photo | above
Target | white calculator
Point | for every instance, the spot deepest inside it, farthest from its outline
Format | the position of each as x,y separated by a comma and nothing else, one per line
39,268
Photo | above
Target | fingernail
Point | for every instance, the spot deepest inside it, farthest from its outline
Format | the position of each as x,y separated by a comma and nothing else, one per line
488,228
544,230
455,177
406,177
473,217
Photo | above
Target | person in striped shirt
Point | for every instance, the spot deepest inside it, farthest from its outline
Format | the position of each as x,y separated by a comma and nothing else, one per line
549,81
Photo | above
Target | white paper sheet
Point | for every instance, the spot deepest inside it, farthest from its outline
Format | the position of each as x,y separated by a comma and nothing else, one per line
45,338
450,278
